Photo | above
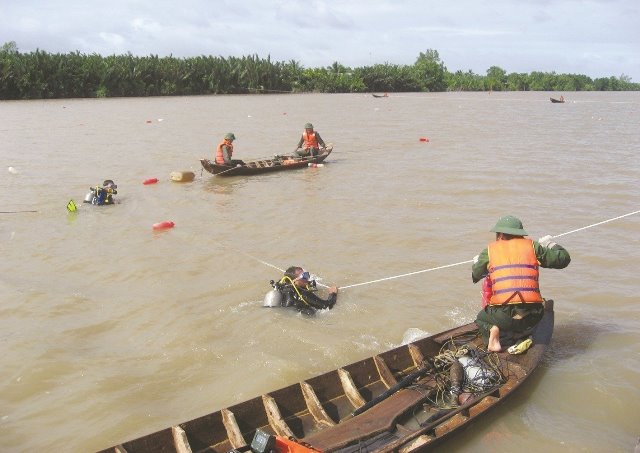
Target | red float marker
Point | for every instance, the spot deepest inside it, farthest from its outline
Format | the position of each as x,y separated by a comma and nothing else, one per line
163,225
146,182
424,139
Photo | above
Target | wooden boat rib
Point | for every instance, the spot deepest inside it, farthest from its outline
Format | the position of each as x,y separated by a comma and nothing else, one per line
320,411
255,167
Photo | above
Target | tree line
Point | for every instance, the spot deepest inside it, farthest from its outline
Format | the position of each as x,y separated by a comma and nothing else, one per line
43,75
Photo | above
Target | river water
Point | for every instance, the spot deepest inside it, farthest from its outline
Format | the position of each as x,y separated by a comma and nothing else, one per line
110,330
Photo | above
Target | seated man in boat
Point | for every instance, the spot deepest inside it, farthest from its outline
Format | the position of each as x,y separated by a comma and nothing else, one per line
310,143
515,305
224,152
297,289
102,195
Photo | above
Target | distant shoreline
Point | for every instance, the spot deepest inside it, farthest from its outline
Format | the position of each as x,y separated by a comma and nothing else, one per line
41,75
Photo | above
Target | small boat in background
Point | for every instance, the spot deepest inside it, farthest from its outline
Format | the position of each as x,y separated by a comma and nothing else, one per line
406,399
386,95
277,163
558,101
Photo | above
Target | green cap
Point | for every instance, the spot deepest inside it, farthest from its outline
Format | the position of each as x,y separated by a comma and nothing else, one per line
308,126
230,136
509,225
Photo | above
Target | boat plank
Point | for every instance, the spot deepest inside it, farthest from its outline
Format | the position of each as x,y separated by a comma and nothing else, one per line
180,440
452,423
233,430
350,388
416,355
385,373
381,417
276,421
418,443
315,408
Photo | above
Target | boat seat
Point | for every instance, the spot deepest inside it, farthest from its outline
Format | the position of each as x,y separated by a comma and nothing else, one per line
379,418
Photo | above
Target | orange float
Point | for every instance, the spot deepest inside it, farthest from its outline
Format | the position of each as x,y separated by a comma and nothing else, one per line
163,225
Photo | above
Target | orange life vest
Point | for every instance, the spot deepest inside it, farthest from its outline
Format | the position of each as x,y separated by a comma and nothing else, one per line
220,154
513,269
310,140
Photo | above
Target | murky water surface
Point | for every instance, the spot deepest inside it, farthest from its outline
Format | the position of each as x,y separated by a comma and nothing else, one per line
110,330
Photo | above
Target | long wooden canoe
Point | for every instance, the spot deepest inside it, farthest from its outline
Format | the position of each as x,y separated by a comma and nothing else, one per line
255,167
557,101
394,401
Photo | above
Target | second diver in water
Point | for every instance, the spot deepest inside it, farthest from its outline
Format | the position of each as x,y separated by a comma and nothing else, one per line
102,195
298,290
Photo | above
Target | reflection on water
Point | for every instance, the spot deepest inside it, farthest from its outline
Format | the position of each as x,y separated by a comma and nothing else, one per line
222,185
130,330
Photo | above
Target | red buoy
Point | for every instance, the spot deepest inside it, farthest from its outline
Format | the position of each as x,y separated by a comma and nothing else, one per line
163,225
146,182
424,139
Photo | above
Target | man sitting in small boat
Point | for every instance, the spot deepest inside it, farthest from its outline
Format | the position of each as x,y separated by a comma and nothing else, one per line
102,195
515,305
297,289
224,152
310,143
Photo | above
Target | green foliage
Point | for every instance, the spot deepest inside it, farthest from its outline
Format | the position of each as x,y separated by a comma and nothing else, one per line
430,71
388,77
41,75
496,79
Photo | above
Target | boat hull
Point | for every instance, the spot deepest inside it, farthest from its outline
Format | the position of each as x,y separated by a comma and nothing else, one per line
322,411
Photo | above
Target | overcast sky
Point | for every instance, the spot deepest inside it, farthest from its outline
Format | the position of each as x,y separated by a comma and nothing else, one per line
598,38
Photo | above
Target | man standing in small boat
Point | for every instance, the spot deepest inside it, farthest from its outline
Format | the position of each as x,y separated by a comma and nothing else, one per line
312,142
224,152
512,262
297,289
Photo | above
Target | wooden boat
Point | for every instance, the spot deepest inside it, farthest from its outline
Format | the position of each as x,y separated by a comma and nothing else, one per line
380,95
393,401
255,167
557,101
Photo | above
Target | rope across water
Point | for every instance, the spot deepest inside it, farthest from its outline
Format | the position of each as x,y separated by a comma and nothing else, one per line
447,265
470,261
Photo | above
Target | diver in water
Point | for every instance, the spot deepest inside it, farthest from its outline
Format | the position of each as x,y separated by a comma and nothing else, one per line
102,195
296,289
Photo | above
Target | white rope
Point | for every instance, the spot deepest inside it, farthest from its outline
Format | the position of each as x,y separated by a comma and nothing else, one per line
406,275
272,265
470,261
432,268
596,224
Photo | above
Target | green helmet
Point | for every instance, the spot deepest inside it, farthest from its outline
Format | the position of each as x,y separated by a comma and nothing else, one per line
230,136
308,126
509,225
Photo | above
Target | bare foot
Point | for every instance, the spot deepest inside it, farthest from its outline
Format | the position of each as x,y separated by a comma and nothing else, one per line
494,340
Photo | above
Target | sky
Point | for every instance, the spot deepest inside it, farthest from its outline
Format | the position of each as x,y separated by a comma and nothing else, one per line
597,38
